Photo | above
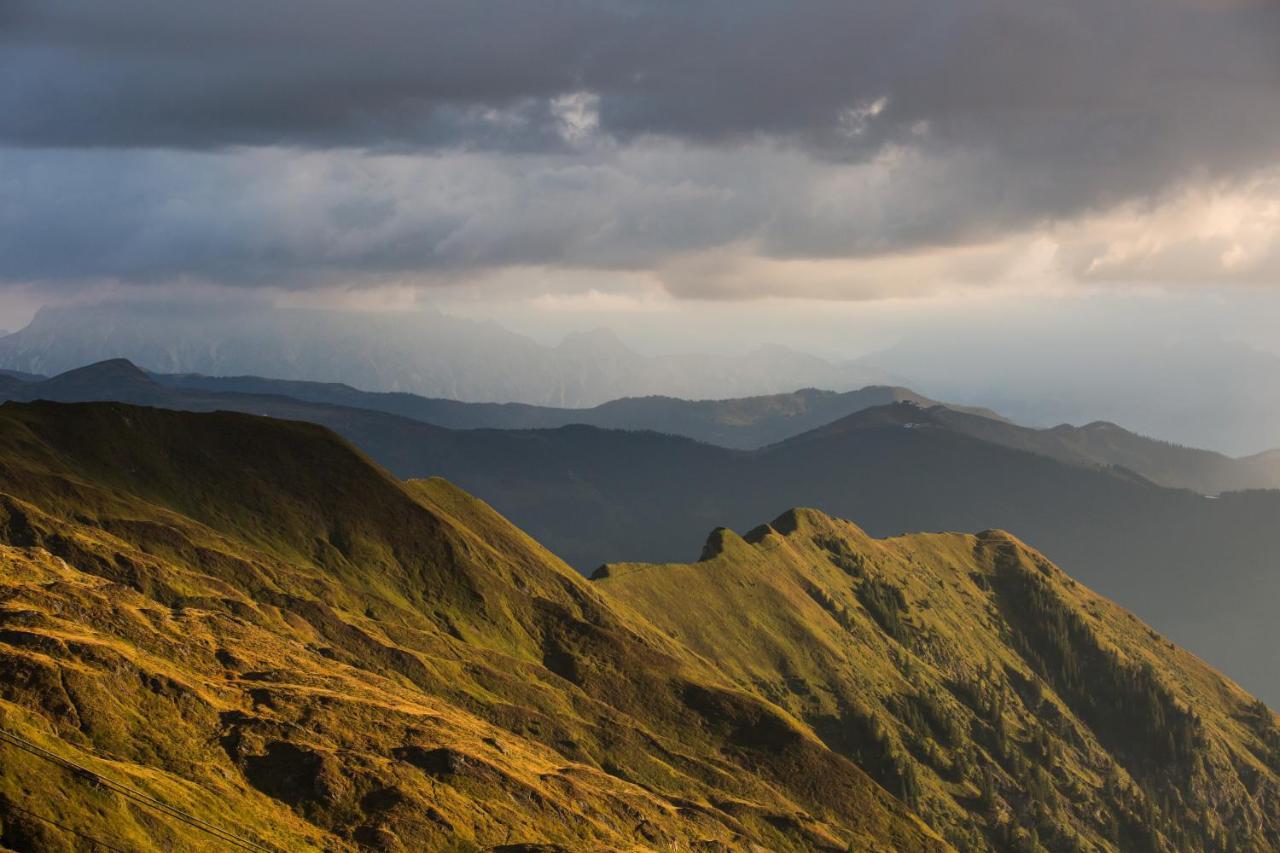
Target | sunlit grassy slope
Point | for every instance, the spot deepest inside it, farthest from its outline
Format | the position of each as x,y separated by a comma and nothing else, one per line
1004,701
248,620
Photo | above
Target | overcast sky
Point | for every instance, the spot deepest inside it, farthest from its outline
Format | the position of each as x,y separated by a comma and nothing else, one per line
556,160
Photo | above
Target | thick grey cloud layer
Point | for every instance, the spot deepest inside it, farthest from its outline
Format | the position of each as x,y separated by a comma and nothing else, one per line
295,218
1051,75
144,140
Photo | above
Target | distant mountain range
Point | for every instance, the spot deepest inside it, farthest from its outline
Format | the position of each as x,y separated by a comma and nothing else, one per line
226,632
1205,571
1107,444
744,423
1218,394
423,352
1201,391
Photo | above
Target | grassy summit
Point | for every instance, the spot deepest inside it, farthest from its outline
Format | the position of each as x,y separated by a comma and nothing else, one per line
1002,700
249,621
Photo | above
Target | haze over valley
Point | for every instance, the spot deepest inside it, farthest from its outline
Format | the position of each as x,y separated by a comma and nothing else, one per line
1172,380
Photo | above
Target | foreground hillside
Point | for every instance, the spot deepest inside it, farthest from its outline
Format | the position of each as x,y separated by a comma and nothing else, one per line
246,620
997,696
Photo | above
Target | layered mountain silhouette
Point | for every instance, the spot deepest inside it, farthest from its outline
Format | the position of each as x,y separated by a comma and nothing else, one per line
1202,391
1202,570
248,622
1100,444
742,423
423,352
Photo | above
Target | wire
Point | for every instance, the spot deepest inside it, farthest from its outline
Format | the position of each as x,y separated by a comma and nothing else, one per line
91,777
86,836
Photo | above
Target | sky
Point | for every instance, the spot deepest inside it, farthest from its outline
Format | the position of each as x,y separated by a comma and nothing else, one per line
694,175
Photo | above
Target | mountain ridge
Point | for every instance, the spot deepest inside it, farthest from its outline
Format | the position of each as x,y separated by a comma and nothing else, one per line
836,625
1099,443
1200,570
247,618
740,423
1202,391
370,664
743,423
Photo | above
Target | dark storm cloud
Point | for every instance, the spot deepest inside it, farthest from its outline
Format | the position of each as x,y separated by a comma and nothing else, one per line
1010,113
1110,76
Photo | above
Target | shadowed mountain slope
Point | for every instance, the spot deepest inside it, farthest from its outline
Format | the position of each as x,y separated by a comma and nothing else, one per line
1004,700
248,620
1108,444
1204,571
744,423
753,422
23,377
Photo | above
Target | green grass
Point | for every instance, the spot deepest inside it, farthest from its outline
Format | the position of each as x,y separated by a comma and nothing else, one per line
1013,708
248,618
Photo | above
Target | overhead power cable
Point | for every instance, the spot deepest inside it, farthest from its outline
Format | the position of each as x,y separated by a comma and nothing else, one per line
140,797
98,842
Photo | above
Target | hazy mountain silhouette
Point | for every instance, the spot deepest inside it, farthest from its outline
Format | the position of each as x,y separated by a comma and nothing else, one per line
423,352
745,423
1219,394
1107,444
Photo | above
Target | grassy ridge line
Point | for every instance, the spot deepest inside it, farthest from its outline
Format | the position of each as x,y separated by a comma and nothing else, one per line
1011,706
252,606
